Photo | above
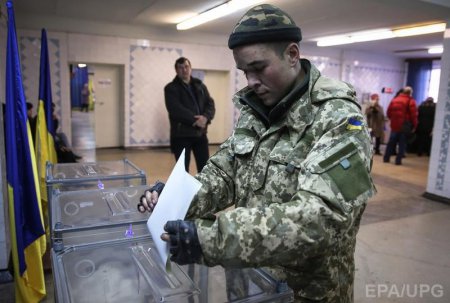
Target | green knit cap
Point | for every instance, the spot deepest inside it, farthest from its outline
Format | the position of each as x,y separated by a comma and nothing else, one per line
264,23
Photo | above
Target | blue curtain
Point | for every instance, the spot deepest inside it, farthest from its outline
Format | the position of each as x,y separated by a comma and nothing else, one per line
419,73
79,76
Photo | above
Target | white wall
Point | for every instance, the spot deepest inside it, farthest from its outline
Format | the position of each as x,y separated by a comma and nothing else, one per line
367,72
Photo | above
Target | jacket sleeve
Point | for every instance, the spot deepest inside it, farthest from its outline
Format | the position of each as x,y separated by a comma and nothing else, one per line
175,107
389,111
333,186
217,191
210,109
413,113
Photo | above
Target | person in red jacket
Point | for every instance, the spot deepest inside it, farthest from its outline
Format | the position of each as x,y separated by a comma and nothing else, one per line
402,108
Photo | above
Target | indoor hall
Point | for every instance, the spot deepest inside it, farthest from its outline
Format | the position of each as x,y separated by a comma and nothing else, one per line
402,244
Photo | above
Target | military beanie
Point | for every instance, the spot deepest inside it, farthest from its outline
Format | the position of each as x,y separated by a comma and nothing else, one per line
264,23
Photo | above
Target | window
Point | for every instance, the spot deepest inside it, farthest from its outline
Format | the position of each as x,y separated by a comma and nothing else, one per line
433,89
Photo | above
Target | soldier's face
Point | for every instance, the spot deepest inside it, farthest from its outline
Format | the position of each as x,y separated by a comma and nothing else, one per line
184,71
269,75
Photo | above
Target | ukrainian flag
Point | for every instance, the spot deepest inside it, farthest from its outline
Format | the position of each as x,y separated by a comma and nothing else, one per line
27,231
45,132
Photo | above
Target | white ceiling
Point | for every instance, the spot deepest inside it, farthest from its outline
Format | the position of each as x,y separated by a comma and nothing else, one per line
315,17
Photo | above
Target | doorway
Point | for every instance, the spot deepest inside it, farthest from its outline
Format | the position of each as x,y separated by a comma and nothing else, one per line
215,80
108,116
102,125
220,128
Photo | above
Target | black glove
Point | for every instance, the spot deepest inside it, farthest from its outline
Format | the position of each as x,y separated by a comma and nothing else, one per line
158,187
184,245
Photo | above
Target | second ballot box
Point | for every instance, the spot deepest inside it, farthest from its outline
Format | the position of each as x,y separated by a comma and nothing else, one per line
96,215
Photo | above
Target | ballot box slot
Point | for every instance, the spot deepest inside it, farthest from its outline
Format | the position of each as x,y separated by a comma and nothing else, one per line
118,203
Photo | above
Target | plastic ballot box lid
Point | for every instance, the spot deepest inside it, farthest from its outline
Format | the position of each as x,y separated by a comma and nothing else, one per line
124,271
75,173
89,216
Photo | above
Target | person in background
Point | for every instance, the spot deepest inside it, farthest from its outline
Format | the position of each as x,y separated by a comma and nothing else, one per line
425,126
395,96
375,120
400,91
191,109
64,152
402,108
296,169
32,120
85,93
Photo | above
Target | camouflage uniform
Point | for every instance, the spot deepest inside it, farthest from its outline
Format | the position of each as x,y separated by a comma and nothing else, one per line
299,185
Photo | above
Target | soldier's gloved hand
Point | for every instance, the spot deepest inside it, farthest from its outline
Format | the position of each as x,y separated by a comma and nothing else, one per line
148,200
183,242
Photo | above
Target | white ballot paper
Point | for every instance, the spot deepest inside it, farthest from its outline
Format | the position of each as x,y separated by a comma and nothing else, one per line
173,204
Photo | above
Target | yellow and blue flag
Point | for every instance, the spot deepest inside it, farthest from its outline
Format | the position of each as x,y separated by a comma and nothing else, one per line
354,124
27,230
45,132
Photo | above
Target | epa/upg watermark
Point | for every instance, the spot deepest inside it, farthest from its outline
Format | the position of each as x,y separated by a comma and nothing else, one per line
404,290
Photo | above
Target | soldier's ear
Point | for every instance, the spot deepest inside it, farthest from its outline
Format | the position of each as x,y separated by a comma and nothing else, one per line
293,53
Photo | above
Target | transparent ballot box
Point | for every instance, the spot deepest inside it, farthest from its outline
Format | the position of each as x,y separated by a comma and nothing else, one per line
91,175
131,271
121,271
218,284
94,216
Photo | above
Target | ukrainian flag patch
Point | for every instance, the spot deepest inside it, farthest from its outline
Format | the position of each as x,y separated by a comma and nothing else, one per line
354,124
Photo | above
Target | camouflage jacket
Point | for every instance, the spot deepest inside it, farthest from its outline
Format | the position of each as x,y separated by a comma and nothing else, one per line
298,187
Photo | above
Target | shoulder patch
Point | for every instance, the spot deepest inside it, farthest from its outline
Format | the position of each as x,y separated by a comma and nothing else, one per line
354,124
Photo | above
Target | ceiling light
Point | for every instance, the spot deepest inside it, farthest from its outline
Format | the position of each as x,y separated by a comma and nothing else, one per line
355,37
380,34
81,65
372,35
436,50
419,30
215,13
334,40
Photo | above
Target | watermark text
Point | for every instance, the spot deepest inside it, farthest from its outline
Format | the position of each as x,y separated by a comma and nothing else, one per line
404,290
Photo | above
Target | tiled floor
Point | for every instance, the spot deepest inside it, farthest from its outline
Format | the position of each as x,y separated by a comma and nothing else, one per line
402,253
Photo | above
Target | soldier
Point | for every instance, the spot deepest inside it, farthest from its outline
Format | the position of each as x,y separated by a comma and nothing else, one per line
296,168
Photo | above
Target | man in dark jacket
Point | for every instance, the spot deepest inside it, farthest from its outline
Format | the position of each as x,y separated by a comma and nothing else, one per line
425,126
190,109
401,109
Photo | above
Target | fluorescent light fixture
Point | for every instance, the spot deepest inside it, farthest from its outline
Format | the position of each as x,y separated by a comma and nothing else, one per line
355,37
380,34
419,30
372,35
215,13
436,50
334,40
